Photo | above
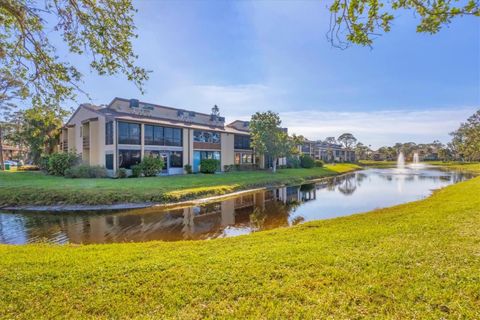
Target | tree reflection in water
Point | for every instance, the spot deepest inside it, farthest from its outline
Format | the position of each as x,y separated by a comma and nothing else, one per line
242,214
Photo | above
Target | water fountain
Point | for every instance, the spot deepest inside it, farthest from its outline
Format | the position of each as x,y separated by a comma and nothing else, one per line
415,158
401,160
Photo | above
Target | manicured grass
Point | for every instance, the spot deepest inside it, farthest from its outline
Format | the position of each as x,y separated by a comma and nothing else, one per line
419,260
30,188
462,166
372,163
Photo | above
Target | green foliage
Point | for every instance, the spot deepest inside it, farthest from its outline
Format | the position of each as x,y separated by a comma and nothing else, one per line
362,21
102,30
319,163
413,261
86,171
122,173
58,163
209,165
188,169
465,143
293,162
347,140
151,166
306,161
268,137
136,171
39,129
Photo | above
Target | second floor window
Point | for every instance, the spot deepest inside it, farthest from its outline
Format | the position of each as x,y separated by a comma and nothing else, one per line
163,136
242,142
206,136
109,133
129,133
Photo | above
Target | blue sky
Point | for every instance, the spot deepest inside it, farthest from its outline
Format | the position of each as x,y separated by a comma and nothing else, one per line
249,56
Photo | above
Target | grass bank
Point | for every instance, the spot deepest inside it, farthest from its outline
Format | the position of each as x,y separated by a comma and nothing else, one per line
418,260
461,166
377,164
36,188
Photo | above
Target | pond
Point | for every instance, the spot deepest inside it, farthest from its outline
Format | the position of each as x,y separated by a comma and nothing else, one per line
281,207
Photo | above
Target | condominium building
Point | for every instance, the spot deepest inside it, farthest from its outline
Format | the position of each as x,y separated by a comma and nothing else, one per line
122,133
328,152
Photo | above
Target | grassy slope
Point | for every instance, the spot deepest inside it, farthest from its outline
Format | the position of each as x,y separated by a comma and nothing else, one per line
463,166
417,260
17,188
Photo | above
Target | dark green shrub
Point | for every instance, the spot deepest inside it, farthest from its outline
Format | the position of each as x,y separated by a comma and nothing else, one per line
58,163
293,162
86,171
188,169
122,173
228,168
306,161
319,163
209,165
151,166
43,163
136,171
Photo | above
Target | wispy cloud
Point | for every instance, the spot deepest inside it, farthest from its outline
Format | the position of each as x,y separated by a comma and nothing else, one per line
378,127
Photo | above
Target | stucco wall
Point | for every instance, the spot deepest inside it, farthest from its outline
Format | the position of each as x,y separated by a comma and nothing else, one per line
227,153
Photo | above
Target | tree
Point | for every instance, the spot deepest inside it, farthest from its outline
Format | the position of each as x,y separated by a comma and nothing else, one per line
268,137
11,89
466,139
102,29
347,140
361,151
330,141
40,129
361,21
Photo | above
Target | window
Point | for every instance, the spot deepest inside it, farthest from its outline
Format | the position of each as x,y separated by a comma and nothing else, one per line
176,159
109,161
128,133
109,133
242,142
128,158
163,136
206,136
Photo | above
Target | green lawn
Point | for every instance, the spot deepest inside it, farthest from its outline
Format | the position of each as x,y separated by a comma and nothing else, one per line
373,163
462,166
419,260
30,188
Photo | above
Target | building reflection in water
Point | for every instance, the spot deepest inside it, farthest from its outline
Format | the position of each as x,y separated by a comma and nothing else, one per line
242,214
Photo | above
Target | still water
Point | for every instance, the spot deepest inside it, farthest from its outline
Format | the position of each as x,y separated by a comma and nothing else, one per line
340,196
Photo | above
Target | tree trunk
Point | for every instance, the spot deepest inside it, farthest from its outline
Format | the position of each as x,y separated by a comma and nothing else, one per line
2,164
274,165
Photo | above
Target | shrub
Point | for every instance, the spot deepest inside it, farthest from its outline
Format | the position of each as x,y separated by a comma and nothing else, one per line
319,163
151,166
86,171
209,165
122,173
136,171
188,169
293,162
28,168
43,163
306,161
58,163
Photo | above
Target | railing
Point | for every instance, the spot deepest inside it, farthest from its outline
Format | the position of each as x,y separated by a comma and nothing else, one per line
65,146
